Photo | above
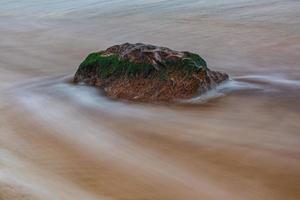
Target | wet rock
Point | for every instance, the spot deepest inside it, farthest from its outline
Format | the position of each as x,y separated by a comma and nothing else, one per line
143,72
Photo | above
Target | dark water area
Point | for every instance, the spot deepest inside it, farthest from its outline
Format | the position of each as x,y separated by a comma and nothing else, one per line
63,141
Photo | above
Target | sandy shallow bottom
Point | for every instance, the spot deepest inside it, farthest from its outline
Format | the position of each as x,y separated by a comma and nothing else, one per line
62,141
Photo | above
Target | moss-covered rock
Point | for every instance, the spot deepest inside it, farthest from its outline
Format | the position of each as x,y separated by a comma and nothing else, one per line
143,72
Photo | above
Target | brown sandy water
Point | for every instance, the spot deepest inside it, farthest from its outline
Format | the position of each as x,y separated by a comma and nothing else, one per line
64,141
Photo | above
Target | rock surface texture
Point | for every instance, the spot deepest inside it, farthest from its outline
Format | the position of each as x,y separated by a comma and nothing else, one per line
142,72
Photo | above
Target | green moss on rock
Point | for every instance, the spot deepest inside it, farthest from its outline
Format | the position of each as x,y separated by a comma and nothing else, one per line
112,65
194,60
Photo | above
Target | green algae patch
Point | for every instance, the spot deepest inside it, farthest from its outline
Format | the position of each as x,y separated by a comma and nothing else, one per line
112,65
90,61
194,60
188,64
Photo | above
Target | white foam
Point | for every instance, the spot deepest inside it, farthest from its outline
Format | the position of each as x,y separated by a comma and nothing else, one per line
222,89
275,79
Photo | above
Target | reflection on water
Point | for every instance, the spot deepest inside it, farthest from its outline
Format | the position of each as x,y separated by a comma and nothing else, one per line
64,141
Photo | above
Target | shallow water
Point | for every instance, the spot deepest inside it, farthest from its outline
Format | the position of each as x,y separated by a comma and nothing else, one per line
64,141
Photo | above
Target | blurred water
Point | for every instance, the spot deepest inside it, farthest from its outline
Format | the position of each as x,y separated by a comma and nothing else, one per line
64,141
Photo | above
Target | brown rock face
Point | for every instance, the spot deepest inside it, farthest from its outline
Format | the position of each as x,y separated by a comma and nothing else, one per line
140,72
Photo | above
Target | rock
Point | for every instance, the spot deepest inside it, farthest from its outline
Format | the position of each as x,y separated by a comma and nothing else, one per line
142,72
